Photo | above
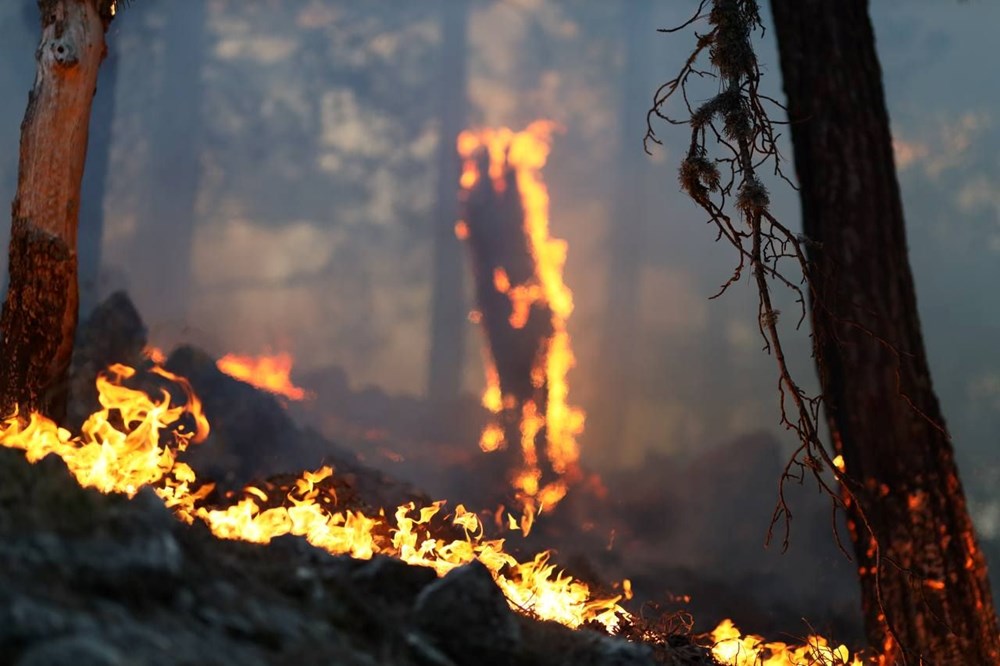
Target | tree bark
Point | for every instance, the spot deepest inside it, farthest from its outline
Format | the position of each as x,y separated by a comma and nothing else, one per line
40,311
925,590
448,307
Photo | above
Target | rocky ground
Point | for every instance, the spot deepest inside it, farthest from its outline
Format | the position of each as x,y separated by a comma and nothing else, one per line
97,580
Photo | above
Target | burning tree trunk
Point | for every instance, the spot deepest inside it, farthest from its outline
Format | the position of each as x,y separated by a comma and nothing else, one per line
925,588
40,311
523,306
501,259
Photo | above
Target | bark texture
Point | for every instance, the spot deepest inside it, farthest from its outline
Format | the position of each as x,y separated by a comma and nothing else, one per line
40,310
925,591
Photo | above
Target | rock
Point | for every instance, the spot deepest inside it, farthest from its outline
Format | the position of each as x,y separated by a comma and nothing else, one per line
73,651
392,579
468,617
556,645
113,333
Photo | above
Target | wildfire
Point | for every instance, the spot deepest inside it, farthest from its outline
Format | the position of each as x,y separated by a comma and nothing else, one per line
525,153
133,441
271,372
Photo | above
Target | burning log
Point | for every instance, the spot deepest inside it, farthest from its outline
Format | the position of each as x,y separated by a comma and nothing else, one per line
523,307
40,312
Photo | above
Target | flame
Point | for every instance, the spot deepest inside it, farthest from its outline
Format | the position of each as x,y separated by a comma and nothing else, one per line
271,372
734,649
155,354
526,152
133,441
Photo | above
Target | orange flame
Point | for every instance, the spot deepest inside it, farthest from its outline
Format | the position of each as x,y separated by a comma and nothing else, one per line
271,372
122,448
526,152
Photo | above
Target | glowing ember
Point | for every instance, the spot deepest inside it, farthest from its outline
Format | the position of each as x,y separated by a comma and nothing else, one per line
271,372
525,153
133,440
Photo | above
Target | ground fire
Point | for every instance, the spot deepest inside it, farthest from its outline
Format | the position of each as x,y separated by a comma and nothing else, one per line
135,438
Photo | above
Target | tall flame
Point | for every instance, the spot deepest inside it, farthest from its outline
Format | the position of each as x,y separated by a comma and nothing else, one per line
526,152
134,438
271,372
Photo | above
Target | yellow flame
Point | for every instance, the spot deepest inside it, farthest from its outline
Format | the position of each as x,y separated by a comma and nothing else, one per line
271,372
526,152
133,440
732,648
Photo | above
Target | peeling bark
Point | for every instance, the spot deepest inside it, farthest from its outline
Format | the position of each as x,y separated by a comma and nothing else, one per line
924,582
40,311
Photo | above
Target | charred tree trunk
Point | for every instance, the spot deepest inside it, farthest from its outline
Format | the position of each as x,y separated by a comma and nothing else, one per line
925,590
448,309
499,246
40,311
94,188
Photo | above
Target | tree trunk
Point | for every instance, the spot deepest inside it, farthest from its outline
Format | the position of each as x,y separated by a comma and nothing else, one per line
40,310
925,590
498,242
448,308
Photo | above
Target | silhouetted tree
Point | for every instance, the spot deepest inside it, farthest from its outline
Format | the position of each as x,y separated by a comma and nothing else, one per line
925,588
40,310
924,585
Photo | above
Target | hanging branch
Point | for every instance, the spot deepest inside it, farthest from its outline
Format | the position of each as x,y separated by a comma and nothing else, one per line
736,122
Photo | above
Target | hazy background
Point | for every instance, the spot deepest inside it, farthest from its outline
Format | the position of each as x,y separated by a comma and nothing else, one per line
267,177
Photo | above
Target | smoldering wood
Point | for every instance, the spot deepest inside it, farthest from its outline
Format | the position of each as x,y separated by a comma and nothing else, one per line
498,241
40,311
